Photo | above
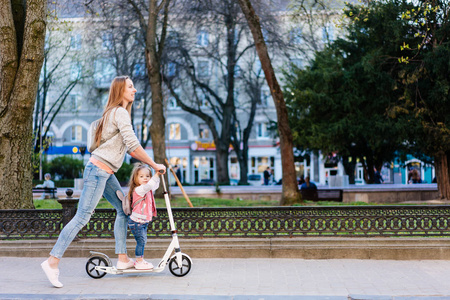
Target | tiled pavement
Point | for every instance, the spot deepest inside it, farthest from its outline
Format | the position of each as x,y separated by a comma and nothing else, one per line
253,278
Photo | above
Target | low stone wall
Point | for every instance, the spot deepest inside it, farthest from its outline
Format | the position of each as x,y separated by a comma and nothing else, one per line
297,247
391,195
381,193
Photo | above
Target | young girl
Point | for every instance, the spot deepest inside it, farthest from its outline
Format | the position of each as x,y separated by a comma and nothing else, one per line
142,186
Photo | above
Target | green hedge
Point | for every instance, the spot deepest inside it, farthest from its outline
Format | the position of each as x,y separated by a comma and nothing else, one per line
58,183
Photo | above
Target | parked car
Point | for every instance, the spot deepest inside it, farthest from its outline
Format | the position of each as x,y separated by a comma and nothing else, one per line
254,179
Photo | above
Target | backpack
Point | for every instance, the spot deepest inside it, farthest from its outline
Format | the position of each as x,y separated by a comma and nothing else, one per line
126,202
91,144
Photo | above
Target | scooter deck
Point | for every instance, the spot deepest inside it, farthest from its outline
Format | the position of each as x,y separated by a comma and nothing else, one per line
114,270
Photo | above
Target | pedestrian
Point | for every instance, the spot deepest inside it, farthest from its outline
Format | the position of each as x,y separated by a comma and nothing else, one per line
266,175
48,183
377,178
142,186
114,137
178,173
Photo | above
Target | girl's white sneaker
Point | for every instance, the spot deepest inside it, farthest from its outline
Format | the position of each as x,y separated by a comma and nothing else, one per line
143,265
125,265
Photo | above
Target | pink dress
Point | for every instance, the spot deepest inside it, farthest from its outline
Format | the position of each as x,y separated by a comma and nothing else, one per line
144,208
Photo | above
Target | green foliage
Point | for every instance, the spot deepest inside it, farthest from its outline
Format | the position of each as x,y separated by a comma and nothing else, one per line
66,167
58,183
341,102
424,78
124,173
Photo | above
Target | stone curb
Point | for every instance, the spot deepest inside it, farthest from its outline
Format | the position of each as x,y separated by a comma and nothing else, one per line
297,247
214,297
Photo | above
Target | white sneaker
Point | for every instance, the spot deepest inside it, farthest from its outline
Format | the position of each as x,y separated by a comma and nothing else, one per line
52,274
143,265
125,265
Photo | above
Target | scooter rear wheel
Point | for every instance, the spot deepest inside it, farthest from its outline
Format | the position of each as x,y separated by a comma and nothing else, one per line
92,263
185,266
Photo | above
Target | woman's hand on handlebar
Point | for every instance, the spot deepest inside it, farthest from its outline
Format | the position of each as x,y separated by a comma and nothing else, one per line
160,168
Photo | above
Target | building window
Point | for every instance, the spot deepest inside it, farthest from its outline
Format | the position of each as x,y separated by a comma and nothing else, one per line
141,133
201,97
107,39
203,131
175,131
172,39
327,34
202,38
258,68
171,69
203,68
139,70
237,71
261,131
104,72
75,71
172,101
75,42
75,103
295,36
203,168
264,98
77,131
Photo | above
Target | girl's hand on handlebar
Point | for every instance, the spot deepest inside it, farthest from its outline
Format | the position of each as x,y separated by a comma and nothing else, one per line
160,169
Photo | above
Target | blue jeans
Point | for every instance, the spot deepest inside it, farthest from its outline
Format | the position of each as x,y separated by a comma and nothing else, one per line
139,232
97,182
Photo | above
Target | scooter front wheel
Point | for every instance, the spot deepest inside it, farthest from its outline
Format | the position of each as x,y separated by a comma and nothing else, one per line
186,264
94,262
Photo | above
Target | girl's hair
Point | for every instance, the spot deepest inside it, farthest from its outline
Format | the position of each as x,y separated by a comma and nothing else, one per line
115,99
134,178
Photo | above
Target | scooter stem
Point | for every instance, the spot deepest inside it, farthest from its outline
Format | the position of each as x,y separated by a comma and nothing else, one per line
169,208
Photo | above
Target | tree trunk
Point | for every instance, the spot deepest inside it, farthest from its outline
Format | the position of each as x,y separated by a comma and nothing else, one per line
441,165
153,62
22,54
290,187
222,163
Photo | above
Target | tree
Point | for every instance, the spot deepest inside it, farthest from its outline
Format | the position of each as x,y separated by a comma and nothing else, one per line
123,37
23,25
424,78
290,188
224,48
154,37
57,67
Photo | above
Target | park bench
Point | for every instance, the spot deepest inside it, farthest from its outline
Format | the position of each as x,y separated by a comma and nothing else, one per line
50,191
323,195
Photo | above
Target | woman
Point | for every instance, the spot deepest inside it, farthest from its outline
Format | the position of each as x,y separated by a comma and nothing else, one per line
114,136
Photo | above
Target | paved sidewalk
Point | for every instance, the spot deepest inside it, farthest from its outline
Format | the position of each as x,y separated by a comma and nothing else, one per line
253,278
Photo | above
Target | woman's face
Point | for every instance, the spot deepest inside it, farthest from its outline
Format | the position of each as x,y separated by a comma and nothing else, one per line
129,92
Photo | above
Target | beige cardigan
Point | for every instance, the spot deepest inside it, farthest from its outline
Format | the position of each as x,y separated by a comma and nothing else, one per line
113,146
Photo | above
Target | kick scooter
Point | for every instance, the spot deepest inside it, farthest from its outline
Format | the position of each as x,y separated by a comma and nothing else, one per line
99,264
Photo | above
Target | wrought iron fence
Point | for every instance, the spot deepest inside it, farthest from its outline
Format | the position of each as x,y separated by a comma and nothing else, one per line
347,221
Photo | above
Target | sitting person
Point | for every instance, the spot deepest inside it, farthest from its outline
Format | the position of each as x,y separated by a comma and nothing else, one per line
308,185
48,183
308,189
415,176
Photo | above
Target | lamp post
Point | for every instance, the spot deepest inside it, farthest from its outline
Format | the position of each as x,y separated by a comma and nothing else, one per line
82,150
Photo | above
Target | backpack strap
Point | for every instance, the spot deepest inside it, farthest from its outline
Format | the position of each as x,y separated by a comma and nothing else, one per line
137,202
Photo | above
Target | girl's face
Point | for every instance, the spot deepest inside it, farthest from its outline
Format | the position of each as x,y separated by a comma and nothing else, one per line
143,176
129,92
